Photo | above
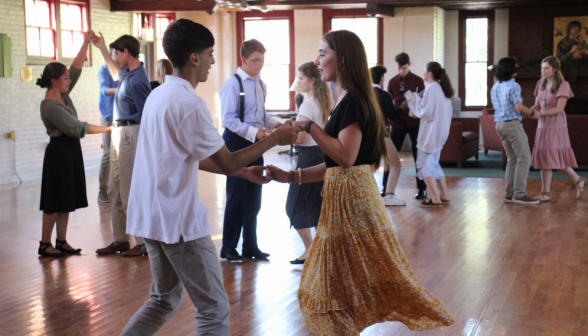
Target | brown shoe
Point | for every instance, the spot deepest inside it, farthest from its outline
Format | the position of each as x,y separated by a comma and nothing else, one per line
525,200
136,251
113,248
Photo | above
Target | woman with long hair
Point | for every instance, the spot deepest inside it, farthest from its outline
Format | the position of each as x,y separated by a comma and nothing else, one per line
63,187
552,149
356,273
304,202
435,111
163,67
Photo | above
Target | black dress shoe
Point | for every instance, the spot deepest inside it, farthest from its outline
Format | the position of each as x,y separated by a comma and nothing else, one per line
257,254
421,195
230,254
297,261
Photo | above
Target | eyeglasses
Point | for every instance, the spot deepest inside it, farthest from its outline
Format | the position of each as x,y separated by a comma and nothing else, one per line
257,61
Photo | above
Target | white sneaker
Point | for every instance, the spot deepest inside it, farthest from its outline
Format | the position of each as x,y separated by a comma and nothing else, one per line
392,200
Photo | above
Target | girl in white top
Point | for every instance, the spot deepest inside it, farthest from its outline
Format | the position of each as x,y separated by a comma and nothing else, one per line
304,203
435,111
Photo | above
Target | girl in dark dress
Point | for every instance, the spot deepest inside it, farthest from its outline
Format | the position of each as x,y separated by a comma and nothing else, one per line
63,187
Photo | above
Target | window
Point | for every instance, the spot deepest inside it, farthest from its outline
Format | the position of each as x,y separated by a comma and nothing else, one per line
143,26
369,30
45,40
275,31
476,53
161,23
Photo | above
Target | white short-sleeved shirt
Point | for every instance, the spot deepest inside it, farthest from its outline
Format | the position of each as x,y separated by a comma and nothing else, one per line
176,133
312,111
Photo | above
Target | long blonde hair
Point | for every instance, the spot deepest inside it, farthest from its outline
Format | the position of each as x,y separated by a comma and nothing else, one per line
163,68
322,92
354,76
558,77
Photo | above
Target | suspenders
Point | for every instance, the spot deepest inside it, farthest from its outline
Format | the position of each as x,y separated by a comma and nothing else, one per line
242,99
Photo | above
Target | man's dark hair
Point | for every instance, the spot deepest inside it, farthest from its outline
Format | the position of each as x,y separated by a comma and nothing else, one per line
506,68
377,72
184,38
251,46
402,59
127,42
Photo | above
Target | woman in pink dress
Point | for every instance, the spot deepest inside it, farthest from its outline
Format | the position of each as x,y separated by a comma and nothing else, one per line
552,148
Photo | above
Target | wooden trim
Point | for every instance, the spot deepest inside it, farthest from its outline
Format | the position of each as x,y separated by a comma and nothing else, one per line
161,6
275,15
353,13
463,15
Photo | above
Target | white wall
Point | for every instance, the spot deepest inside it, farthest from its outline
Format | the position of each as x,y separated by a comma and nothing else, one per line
451,46
19,101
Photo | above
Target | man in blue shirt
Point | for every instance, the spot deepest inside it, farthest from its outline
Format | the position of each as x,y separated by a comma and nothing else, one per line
508,106
106,104
129,100
243,127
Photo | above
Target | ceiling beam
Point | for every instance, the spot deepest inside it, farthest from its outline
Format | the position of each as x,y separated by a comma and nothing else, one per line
378,10
161,6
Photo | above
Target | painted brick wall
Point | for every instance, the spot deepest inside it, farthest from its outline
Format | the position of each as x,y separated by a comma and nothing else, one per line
439,31
531,39
19,101
452,46
308,32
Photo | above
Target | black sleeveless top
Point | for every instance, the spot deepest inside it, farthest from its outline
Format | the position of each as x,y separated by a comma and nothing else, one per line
346,113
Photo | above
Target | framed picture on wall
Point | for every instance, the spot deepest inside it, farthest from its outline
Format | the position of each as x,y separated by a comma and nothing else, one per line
570,39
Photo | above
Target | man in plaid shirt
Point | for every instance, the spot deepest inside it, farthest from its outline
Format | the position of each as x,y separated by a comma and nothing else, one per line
508,105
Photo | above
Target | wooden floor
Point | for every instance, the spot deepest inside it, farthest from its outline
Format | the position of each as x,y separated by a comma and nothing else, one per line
500,269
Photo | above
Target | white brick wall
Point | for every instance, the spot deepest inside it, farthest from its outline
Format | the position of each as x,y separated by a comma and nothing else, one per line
19,101
439,36
452,46
308,32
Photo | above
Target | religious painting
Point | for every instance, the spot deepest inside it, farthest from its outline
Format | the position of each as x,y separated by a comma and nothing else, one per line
570,40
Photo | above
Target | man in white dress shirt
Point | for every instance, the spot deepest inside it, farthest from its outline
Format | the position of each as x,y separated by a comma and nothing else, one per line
244,125
178,139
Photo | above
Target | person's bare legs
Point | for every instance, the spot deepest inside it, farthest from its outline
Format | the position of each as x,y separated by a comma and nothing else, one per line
48,224
432,188
306,237
546,176
62,221
442,185
569,172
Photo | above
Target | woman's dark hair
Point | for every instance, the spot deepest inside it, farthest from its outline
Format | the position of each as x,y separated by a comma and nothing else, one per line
506,68
402,59
574,24
354,75
440,75
251,46
127,42
53,70
184,38
377,72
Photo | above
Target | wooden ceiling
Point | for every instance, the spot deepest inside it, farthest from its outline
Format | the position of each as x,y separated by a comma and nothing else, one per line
209,5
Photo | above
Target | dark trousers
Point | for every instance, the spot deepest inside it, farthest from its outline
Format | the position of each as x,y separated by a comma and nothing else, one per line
243,201
397,136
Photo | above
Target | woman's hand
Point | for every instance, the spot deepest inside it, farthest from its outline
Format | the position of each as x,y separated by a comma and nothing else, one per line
255,174
300,125
88,36
276,174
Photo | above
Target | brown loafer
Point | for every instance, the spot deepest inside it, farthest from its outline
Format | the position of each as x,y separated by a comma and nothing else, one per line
113,248
136,251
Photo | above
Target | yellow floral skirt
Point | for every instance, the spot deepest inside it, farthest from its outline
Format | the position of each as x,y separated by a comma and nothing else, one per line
356,274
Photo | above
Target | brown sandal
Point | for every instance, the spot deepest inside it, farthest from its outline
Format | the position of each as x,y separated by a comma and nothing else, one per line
581,181
543,197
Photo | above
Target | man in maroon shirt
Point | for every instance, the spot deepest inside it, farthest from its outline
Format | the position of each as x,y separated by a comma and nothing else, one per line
397,86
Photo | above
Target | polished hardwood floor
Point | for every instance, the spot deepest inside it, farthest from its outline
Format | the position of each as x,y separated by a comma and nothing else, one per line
500,269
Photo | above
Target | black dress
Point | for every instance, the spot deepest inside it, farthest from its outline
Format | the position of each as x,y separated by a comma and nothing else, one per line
63,186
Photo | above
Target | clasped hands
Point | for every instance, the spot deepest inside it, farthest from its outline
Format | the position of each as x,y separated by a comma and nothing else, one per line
255,174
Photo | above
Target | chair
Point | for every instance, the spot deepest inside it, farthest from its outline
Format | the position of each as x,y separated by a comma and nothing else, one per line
463,141
491,138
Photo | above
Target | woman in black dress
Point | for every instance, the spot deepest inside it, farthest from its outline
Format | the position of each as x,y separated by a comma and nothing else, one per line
63,188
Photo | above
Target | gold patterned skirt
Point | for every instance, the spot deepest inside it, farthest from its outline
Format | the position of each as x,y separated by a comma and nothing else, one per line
356,274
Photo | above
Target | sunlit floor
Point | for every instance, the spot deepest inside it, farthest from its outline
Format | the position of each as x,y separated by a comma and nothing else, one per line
500,269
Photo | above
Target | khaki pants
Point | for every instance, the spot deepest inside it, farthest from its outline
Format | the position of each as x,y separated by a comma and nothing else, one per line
122,159
193,265
104,174
395,167
516,146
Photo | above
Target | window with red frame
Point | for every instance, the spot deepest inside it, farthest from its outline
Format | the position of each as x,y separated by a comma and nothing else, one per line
162,21
43,34
368,29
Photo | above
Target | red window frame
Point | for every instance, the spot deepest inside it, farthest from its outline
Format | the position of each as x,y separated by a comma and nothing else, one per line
84,5
171,17
55,18
329,14
463,16
277,15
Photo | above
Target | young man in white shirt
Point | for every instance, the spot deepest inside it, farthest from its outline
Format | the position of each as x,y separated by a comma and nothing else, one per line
177,139
244,125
